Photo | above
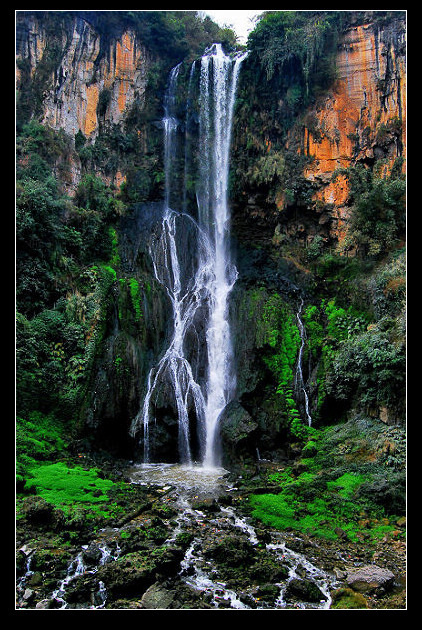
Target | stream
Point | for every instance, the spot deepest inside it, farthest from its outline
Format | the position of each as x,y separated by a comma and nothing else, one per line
208,567
198,482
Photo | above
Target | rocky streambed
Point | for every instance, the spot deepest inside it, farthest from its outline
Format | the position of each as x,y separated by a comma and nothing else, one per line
187,542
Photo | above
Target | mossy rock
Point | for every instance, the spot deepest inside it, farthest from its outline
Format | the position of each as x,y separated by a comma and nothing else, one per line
347,598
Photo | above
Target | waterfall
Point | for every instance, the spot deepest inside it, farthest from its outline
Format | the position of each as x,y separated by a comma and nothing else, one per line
191,259
299,382
218,87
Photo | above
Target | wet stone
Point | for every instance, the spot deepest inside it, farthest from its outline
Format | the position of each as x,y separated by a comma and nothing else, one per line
305,590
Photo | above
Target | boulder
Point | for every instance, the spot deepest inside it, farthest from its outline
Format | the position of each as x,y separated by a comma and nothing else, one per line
157,597
236,423
370,578
305,590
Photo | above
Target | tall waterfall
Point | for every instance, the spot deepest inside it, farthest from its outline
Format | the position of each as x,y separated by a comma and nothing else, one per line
191,259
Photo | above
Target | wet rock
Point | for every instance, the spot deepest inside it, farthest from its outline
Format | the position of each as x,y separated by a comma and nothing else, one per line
263,536
206,505
305,590
339,573
236,424
231,551
240,563
44,603
267,593
135,572
81,590
91,555
157,597
370,578
341,533
21,562
35,579
28,595
125,604
128,576
37,511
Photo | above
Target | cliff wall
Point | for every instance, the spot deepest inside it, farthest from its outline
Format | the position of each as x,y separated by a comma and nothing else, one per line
363,118
84,80
292,189
72,96
360,119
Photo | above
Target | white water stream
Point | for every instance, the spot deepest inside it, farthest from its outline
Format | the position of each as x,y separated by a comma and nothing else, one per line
184,487
199,288
299,381
195,482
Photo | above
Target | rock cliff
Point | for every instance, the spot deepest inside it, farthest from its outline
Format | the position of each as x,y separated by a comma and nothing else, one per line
363,117
358,117
89,83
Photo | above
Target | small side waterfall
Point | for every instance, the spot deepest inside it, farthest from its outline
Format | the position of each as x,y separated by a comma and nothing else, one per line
299,382
191,259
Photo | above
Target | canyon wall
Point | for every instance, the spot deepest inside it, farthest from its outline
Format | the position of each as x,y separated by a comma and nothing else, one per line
72,97
363,118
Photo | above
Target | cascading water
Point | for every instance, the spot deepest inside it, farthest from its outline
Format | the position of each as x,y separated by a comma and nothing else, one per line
299,381
199,285
218,88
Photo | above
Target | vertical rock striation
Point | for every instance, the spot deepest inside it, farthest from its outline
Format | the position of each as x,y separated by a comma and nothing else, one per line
86,81
362,118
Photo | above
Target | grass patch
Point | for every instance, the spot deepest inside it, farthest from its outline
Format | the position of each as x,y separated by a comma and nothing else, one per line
326,500
72,488
347,484
39,437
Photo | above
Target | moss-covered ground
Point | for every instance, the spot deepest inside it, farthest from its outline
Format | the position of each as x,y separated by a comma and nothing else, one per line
348,482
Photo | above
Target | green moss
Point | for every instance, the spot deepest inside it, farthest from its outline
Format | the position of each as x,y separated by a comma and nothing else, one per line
322,503
346,598
110,271
38,437
347,484
135,296
282,335
69,488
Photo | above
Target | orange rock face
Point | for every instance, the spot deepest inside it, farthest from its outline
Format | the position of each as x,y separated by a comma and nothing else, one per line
346,122
71,103
83,78
89,117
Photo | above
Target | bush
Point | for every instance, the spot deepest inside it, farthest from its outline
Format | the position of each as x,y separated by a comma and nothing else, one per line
369,368
378,208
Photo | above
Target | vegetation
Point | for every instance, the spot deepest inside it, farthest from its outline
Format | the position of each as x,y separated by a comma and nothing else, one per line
62,486
75,281
378,207
289,40
328,498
